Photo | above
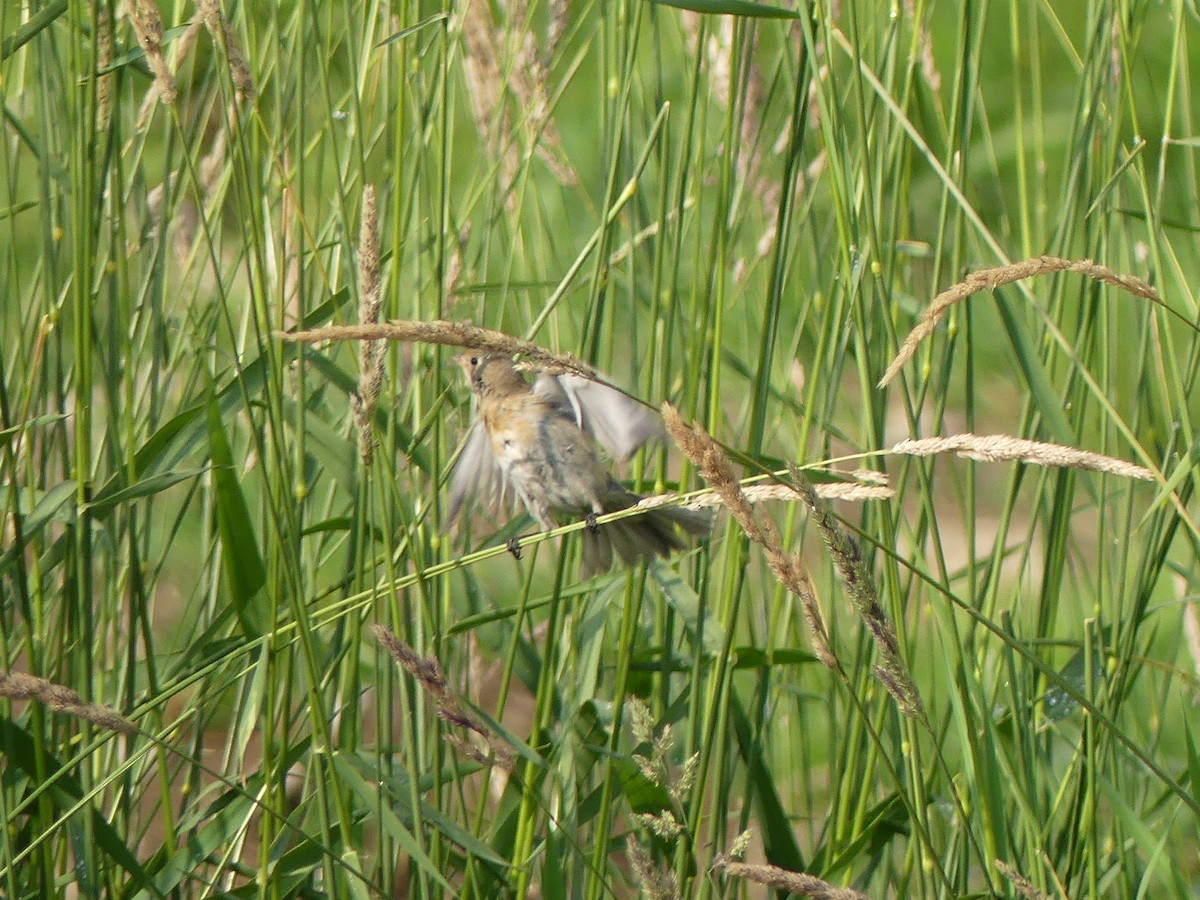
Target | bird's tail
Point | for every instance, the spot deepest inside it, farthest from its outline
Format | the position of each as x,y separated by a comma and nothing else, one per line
639,538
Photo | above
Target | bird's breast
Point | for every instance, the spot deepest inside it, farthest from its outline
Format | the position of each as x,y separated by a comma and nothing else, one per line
513,434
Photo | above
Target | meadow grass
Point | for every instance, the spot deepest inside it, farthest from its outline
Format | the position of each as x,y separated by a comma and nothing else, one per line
243,651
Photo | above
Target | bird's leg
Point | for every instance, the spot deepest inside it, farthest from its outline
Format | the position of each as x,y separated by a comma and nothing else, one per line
590,518
541,512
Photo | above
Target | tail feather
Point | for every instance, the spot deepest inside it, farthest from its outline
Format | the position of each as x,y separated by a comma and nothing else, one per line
639,538
696,522
597,553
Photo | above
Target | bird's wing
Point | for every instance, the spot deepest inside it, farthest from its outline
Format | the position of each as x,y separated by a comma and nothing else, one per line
477,474
619,423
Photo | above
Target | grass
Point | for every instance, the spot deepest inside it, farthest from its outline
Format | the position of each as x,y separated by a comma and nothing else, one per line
205,527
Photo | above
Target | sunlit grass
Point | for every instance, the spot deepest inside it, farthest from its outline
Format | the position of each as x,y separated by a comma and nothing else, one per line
741,216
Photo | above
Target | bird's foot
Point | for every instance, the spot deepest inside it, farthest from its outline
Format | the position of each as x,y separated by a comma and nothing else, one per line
514,547
590,521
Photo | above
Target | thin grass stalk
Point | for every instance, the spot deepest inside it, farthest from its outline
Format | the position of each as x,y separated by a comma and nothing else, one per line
883,216
81,116
765,357
714,714
606,816
532,782
8,461
717,471
279,512
421,744
711,712
44,373
509,662
448,282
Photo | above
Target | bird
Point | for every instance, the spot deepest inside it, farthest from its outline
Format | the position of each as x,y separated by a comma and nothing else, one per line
541,439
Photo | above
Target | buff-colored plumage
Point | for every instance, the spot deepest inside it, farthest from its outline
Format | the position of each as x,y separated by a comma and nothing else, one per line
540,441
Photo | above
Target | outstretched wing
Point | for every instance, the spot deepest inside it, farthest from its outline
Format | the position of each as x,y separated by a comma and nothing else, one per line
618,423
477,474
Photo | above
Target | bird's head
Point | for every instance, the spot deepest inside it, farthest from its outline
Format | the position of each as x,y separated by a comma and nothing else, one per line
491,374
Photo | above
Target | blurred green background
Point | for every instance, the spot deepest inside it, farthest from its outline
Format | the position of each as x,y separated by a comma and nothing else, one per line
740,209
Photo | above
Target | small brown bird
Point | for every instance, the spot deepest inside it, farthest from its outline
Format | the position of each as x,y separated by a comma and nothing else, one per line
539,439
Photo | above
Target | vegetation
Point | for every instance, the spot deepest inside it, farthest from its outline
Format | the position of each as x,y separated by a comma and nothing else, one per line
247,655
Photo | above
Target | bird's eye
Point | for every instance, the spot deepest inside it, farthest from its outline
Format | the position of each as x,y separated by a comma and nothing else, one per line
474,360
